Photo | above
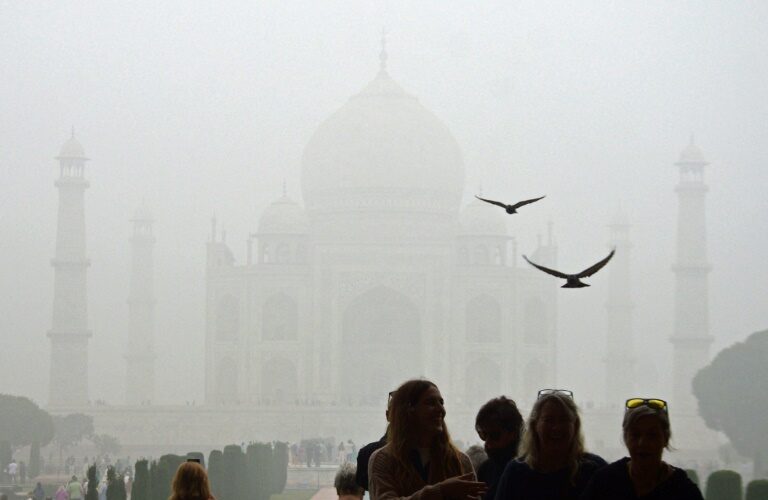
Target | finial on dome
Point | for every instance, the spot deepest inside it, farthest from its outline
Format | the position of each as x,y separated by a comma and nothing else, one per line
383,54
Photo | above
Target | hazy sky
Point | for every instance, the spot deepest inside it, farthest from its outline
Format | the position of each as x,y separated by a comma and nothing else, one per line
203,107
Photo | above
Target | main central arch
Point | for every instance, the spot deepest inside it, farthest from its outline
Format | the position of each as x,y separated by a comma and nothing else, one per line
382,344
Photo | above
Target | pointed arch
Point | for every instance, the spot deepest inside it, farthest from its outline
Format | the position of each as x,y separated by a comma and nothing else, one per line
381,332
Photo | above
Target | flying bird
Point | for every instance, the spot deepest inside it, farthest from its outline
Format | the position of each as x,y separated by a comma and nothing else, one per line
574,280
511,209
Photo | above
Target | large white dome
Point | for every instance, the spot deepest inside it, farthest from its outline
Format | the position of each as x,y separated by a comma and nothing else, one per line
383,150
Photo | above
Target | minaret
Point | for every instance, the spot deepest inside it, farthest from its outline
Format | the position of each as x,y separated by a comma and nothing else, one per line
691,339
69,333
619,357
140,357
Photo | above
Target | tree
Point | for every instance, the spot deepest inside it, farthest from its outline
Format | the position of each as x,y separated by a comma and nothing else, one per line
757,490
216,473
280,467
71,429
259,463
140,489
235,472
22,422
92,493
728,398
34,460
106,444
724,485
115,485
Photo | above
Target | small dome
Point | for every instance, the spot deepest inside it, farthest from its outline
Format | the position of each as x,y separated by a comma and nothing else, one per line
691,154
480,218
72,149
284,216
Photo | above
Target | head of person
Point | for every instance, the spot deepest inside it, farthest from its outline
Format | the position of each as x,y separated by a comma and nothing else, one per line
646,430
345,484
477,455
417,418
74,478
553,430
500,425
190,483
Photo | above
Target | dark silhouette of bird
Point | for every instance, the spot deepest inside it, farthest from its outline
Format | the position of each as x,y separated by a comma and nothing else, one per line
574,280
511,209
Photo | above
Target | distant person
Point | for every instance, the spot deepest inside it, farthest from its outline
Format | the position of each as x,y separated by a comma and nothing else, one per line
345,483
61,494
12,469
419,460
190,483
38,493
364,455
553,464
75,489
643,474
500,426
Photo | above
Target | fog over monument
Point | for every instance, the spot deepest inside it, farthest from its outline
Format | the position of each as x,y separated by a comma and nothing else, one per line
280,222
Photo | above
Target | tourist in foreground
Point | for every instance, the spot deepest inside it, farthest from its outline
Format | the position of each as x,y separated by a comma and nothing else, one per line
191,483
419,461
553,464
643,474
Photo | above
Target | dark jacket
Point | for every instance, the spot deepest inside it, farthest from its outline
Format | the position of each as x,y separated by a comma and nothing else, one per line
520,482
613,483
491,470
363,456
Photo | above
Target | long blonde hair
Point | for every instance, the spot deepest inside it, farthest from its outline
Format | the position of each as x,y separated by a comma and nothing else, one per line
531,444
190,483
402,435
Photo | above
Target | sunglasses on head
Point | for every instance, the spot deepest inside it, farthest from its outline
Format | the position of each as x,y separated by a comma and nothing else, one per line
656,404
561,392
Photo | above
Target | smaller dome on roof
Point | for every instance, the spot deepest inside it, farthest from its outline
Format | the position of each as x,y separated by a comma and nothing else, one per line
284,216
691,154
72,148
479,218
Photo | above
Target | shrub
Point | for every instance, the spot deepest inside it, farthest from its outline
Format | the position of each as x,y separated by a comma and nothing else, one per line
724,485
757,490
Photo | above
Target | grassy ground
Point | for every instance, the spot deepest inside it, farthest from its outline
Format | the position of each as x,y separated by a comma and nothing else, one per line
294,495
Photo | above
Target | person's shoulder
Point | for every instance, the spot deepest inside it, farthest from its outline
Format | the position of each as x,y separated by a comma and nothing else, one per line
683,486
383,454
594,459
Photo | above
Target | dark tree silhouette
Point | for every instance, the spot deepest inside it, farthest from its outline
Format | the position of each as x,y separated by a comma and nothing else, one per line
730,399
71,429
115,485
22,422
92,493
216,473
140,489
724,485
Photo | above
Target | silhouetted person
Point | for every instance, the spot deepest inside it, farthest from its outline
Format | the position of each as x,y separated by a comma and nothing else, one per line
419,460
346,483
643,474
500,425
364,455
553,464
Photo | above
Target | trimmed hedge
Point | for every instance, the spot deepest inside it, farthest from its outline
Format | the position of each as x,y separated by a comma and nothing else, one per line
724,485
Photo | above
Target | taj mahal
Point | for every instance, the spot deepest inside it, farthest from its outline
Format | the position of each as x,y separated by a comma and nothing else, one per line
381,273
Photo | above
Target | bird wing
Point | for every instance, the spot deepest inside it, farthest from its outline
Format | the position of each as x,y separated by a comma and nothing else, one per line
546,269
525,202
497,203
586,273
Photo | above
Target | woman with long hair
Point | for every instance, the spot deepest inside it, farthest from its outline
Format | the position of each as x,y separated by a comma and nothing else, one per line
419,461
553,464
643,474
190,483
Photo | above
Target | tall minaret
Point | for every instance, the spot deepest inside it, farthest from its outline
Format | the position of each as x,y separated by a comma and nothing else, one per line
620,359
69,333
140,358
691,339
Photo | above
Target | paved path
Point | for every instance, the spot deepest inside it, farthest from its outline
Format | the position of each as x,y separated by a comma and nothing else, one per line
325,494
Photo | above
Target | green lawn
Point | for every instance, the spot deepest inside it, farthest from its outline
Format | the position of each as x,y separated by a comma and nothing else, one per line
294,495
